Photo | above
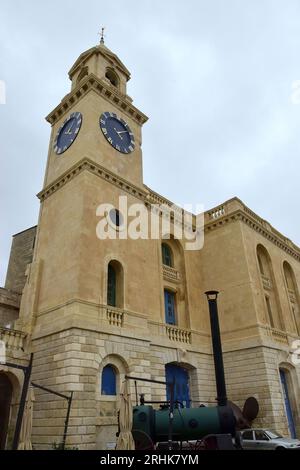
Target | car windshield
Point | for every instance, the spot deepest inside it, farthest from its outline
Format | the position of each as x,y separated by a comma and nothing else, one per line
273,435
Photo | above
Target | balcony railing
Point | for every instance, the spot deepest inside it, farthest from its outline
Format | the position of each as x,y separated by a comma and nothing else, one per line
276,335
171,274
13,339
178,334
114,316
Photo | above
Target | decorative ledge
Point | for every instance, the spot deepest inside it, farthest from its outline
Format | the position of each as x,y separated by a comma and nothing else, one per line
276,335
100,87
235,210
89,165
178,334
171,274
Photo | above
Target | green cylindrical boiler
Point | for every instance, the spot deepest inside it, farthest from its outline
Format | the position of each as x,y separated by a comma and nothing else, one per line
188,423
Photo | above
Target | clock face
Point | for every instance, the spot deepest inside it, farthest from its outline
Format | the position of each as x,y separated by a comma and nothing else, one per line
67,133
117,132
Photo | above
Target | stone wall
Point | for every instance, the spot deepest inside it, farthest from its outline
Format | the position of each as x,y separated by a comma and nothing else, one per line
9,306
255,372
20,255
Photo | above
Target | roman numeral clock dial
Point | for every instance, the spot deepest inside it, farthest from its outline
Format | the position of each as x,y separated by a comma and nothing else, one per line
117,132
67,133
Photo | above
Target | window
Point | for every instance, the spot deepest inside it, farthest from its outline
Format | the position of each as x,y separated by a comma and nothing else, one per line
116,217
112,77
261,436
287,403
248,435
170,314
293,294
269,309
166,255
115,284
108,381
260,263
111,286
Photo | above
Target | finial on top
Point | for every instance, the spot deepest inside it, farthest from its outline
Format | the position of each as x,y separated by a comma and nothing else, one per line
102,36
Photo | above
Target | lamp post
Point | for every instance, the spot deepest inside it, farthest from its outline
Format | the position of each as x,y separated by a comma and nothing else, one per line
217,347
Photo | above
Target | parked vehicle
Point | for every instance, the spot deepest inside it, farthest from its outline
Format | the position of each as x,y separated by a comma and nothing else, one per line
265,439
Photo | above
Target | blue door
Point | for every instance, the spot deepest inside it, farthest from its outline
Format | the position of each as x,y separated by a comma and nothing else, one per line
181,377
287,403
170,307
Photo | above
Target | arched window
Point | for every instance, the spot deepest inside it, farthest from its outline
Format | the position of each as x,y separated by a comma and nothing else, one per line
293,294
115,284
284,378
263,262
112,77
272,306
179,375
111,286
108,381
167,257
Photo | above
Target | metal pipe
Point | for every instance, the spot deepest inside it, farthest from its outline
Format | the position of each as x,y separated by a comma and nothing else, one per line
45,389
217,347
67,421
145,380
136,393
27,374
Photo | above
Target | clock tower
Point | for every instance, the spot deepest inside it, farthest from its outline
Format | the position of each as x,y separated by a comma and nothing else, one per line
94,157
97,120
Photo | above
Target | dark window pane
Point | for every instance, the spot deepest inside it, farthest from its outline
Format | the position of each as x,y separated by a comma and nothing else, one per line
111,286
166,255
248,435
108,382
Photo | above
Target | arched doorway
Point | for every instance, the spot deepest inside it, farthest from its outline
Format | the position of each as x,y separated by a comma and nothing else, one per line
181,377
287,403
6,390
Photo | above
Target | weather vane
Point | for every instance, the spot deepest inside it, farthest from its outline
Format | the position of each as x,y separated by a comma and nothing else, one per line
102,36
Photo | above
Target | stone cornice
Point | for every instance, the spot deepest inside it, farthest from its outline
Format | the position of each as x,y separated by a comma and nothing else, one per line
109,93
144,194
235,210
89,165
231,211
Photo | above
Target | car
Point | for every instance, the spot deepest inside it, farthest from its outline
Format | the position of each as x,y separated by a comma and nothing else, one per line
265,439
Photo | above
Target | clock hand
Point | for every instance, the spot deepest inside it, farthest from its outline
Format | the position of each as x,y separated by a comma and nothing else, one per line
118,132
68,132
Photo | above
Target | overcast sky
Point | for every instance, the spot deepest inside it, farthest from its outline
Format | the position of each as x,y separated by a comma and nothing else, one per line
214,76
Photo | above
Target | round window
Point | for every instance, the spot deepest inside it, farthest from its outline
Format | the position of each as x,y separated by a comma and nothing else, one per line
116,217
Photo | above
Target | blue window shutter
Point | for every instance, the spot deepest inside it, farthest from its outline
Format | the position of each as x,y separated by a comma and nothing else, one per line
288,408
170,307
108,382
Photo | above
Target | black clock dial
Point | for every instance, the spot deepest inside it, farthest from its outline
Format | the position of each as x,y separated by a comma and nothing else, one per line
117,132
67,133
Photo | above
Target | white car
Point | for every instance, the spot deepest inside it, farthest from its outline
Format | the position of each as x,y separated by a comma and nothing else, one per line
265,439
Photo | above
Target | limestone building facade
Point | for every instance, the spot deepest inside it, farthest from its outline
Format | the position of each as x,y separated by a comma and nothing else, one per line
94,310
